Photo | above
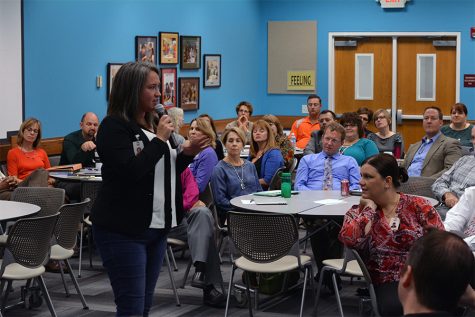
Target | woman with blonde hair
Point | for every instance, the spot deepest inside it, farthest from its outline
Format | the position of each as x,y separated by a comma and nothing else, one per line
281,139
264,153
385,139
206,160
176,115
28,162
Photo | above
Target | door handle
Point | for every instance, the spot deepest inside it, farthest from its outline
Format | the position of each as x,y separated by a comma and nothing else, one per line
399,116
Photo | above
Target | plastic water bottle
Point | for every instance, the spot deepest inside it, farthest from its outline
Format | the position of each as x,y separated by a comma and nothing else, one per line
293,140
286,185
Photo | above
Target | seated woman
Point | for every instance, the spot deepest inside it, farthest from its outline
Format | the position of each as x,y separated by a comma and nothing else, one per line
281,139
459,128
28,162
219,145
233,176
385,225
385,139
264,153
354,144
244,112
206,160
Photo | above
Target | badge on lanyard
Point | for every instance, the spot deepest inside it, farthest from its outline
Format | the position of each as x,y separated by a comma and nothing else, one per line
394,223
138,145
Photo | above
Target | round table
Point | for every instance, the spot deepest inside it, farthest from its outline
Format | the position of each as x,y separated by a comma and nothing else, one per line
89,175
10,210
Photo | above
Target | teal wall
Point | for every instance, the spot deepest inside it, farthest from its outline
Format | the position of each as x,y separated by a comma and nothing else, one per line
67,43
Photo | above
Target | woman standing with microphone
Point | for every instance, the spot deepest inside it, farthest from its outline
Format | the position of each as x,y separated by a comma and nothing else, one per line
140,199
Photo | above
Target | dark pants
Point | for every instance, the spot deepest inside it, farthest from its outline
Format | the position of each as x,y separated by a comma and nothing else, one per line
133,264
388,300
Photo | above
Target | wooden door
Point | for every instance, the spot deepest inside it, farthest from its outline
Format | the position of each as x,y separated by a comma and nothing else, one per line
408,49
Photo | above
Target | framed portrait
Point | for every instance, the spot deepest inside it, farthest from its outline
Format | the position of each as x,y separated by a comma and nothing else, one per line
168,47
189,93
146,49
190,52
211,70
169,84
112,69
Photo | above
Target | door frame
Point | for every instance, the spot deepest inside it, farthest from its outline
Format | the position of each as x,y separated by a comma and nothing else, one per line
394,36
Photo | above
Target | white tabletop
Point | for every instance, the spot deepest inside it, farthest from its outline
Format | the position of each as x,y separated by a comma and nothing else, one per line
13,209
90,175
307,203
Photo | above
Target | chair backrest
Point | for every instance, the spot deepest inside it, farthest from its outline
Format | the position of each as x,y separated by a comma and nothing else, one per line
275,181
70,216
207,198
421,186
293,166
262,237
367,277
29,240
90,189
48,198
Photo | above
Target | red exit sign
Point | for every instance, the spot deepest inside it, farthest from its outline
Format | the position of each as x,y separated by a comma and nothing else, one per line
391,4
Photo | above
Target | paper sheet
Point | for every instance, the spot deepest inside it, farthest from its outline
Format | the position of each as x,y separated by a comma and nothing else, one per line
330,201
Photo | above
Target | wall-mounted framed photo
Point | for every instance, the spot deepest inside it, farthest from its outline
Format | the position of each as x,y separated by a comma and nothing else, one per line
112,69
146,49
189,93
168,47
190,52
211,70
169,84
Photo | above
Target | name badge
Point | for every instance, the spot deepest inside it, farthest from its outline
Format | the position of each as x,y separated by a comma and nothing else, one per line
394,223
138,147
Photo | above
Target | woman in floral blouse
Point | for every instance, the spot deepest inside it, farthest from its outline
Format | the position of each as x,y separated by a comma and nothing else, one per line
385,225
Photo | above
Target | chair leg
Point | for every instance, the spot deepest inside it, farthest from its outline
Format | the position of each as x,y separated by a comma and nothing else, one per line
62,278
303,291
76,285
319,289
170,250
172,280
229,290
248,292
5,296
90,246
337,294
41,282
80,250
185,277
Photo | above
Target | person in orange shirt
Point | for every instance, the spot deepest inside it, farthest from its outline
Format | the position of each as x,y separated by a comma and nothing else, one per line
302,128
27,162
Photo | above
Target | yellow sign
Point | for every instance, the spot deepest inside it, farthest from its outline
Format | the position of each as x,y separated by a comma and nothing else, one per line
301,80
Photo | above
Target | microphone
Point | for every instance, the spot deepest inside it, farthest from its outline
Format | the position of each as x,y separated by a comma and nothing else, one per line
160,109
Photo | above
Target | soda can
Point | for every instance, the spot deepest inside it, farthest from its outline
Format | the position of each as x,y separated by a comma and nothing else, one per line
345,187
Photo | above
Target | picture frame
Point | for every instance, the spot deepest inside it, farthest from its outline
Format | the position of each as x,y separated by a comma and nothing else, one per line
190,52
212,70
112,69
189,94
146,49
169,87
169,44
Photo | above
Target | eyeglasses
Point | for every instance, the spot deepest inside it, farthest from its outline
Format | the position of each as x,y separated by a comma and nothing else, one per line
243,111
35,131
380,118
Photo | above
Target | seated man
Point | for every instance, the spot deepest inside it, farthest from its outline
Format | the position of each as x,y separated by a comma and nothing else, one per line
437,273
435,153
461,218
302,128
325,170
315,143
198,229
79,147
449,187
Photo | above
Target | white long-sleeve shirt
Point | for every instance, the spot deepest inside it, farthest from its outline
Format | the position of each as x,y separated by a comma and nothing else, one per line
460,216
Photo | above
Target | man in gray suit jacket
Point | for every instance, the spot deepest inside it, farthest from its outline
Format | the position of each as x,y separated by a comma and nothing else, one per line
435,153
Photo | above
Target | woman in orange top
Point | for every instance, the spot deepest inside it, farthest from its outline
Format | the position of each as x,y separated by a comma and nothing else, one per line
27,157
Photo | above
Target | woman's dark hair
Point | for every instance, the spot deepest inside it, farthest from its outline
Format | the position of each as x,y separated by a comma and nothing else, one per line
459,107
354,119
366,111
386,165
125,95
248,106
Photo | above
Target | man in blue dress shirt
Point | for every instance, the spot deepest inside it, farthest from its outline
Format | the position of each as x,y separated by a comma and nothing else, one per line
311,170
324,171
